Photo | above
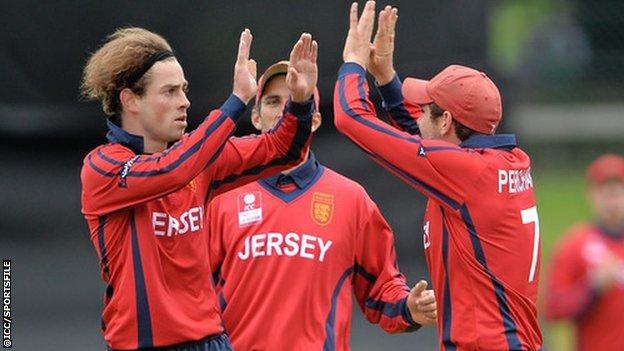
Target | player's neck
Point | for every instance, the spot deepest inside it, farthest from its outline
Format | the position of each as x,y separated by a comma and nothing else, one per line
150,145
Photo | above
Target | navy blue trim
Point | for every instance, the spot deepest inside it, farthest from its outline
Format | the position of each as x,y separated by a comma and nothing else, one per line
233,107
413,181
496,141
362,271
447,313
302,133
407,317
144,320
101,244
330,342
183,157
216,274
389,309
391,92
351,68
508,323
222,303
345,107
119,136
394,104
302,175
609,233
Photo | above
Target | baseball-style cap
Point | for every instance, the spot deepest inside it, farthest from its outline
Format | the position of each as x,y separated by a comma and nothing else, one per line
275,69
606,167
470,96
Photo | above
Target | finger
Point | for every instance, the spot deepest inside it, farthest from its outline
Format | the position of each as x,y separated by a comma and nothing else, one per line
252,66
392,20
306,38
314,56
353,17
419,288
244,46
425,300
427,308
365,25
382,21
292,77
295,53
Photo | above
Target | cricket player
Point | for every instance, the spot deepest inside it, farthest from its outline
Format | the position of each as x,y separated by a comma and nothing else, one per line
287,251
145,191
481,229
586,281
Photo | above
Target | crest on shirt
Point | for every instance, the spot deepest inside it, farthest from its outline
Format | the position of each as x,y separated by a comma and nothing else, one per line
249,208
192,185
322,208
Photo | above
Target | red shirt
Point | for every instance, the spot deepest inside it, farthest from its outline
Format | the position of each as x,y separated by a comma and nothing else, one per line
146,218
286,252
481,230
597,315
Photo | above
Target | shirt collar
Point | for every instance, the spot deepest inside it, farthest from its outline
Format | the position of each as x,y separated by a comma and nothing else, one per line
495,141
119,136
301,176
613,234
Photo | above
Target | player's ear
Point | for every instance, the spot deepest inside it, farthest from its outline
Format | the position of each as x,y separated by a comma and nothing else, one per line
446,123
316,121
255,118
128,100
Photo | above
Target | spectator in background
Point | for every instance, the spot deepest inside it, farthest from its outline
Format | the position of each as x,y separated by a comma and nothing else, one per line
586,282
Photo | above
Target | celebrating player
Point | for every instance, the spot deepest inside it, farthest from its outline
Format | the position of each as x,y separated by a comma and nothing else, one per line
287,249
587,273
144,201
481,231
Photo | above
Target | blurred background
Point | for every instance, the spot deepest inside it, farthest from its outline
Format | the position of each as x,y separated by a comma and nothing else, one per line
558,63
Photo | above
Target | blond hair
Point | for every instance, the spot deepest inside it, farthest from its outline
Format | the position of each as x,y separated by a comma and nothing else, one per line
108,69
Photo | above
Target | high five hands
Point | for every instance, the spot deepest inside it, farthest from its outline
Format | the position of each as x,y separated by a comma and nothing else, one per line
376,57
302,72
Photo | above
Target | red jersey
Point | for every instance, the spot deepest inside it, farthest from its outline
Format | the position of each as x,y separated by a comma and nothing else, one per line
146,219
481,230
286,251
597,315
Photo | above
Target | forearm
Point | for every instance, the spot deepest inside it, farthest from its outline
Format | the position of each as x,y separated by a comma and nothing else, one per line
250,158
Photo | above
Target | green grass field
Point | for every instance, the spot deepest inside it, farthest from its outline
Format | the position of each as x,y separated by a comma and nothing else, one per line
561,202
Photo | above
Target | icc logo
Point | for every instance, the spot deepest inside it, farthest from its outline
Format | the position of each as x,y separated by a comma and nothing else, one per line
249,200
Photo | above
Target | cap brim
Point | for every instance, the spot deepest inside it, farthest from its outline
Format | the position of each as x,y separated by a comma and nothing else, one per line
415,91
280,68
277,68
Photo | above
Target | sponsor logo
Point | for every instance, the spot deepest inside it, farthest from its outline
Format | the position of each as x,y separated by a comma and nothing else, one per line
249,208
292,244
165,224
322,208
125,170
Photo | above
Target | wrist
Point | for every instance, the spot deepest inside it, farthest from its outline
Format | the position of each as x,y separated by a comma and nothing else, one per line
385,77
243,97
356,60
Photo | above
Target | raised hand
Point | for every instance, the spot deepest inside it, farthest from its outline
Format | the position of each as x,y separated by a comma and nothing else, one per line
357,45
245,70
422,304
380,63
302,73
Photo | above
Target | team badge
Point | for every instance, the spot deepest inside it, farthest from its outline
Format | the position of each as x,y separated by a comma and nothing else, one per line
322,208
249,208
192,185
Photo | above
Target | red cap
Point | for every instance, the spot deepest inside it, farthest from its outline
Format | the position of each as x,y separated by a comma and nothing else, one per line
606,167
470,96
275,69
